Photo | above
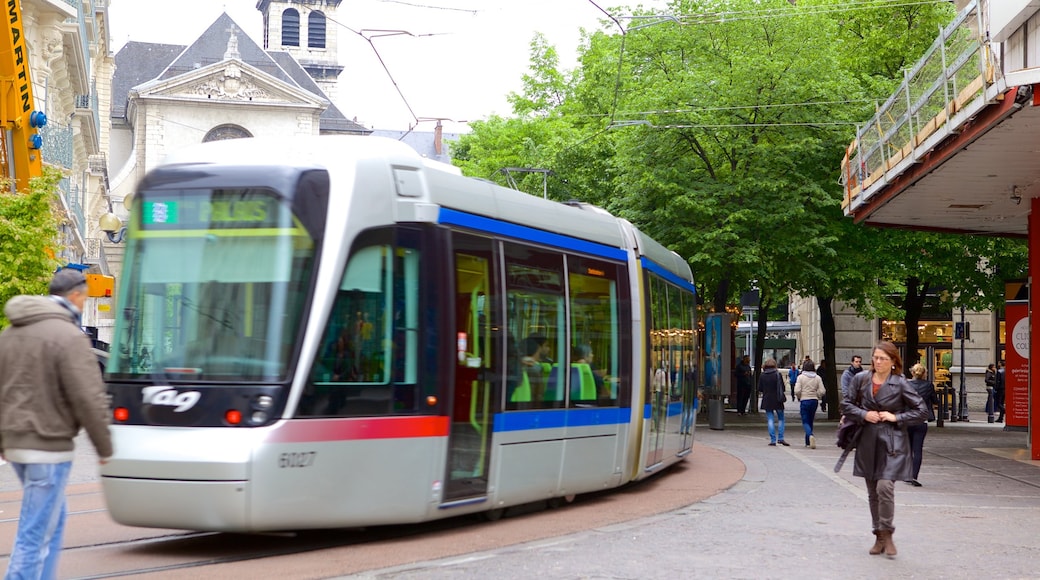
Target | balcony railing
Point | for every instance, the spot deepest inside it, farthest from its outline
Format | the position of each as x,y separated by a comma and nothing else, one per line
57,145
956,69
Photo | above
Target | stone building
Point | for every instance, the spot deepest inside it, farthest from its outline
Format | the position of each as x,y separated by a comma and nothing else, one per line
221,86
69,63
940,351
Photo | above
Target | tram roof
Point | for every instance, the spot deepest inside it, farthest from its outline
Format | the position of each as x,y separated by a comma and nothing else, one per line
443,185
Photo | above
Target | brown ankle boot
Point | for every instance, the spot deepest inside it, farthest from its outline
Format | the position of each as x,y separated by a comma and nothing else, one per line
890,546
879,544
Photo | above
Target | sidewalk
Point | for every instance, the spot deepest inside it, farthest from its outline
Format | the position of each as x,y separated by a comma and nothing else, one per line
792,517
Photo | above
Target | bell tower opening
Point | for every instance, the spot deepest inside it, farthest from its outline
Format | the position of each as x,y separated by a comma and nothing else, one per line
305,29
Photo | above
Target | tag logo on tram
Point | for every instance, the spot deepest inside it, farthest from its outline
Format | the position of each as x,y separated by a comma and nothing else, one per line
169,397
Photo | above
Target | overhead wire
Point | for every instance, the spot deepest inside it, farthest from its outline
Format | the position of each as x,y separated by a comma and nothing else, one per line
682,20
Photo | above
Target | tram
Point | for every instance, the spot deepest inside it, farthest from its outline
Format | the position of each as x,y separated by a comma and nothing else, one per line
332,332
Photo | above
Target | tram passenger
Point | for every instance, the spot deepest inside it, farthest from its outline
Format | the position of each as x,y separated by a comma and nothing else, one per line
537,370
583,355
545,350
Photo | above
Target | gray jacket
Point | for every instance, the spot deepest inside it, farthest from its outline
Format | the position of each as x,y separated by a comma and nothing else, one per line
50,383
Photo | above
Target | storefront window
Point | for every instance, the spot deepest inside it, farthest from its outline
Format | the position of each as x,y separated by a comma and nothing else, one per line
927,331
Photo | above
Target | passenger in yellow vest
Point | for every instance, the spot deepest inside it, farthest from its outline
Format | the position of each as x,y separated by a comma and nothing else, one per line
583,355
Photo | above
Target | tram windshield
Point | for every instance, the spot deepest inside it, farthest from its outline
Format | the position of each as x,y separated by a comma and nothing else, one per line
213,288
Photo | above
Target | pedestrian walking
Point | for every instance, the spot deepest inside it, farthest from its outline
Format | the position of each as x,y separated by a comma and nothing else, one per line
998,391
917,433
51,386
772,388
743,372
854,368
792,377
885,404
809,390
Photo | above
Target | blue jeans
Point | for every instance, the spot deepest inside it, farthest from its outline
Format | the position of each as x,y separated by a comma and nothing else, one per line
808,411
687,420
772,430
37,545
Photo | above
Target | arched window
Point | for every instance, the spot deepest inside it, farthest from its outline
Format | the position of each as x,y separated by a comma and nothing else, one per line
222,132
316,30
290,28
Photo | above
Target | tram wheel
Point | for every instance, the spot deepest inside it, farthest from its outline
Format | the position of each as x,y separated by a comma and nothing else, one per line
558,502
493,515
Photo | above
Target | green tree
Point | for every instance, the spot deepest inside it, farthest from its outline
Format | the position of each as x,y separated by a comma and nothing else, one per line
28,238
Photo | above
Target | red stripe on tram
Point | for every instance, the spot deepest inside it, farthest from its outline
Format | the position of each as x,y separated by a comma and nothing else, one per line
316,430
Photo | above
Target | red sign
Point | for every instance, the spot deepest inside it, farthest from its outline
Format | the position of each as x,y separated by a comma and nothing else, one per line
1016,354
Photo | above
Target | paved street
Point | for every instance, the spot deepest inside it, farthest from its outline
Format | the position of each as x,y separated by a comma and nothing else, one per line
791,516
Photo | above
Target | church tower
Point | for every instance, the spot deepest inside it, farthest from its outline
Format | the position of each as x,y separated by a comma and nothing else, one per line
307,30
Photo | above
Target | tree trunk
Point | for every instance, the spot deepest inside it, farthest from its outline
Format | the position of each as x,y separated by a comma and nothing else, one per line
913,305
829,339
718,303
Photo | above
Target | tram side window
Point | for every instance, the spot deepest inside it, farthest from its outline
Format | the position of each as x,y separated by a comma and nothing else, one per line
672,373
368,359
535,321
598,306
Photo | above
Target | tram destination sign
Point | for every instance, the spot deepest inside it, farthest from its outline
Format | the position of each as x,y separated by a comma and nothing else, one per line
198,212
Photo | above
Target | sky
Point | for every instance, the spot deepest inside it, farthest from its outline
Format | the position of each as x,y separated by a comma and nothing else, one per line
457,62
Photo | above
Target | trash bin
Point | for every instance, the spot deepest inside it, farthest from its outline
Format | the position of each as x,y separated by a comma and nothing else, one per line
716,411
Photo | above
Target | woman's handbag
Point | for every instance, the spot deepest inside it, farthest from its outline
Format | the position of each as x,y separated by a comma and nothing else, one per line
848,434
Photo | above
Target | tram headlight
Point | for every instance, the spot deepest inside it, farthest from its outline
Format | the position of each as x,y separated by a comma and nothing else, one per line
264,402
259,417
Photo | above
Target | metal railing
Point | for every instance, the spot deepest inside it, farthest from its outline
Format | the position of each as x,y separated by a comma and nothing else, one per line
57,144
956,69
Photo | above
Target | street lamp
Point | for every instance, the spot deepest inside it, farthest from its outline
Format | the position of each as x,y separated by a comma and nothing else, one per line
112,225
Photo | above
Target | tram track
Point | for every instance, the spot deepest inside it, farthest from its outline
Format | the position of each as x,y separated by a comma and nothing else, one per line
988,470
97,547
197,550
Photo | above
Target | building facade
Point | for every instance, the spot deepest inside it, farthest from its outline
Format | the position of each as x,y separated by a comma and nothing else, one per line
221,86
70,63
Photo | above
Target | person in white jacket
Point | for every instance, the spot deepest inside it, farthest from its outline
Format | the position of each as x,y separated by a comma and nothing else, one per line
809,390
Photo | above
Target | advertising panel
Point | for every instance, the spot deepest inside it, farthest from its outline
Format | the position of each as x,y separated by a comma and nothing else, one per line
1016,374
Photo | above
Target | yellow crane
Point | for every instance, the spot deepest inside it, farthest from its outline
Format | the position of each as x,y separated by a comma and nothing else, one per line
20,154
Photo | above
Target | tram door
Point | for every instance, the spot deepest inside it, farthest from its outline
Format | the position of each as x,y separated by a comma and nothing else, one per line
660,373
476,318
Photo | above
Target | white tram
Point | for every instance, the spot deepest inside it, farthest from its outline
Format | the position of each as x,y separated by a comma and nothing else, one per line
334,332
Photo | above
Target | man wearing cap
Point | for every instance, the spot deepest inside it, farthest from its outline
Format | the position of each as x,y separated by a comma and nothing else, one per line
50,387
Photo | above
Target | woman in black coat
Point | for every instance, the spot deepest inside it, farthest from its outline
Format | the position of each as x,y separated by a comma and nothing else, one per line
918,432
885,404
772,388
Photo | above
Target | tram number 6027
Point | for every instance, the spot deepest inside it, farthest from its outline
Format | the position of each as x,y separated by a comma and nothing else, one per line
304,459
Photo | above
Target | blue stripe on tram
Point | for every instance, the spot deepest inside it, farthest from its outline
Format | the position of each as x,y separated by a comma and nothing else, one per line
494,226
557,418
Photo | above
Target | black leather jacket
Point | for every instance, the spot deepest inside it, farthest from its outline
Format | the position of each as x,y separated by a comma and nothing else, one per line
883,451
